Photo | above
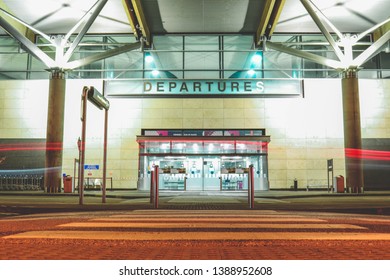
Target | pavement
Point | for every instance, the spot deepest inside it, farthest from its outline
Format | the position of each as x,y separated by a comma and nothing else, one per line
195,225
374,202
189,234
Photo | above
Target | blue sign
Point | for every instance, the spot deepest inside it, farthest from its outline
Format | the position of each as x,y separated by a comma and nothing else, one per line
91,166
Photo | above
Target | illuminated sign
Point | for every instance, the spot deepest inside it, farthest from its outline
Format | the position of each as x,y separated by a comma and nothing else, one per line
203,132
204,88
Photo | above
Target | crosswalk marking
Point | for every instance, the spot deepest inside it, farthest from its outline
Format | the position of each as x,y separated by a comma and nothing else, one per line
203,235
208,225
157,225
212,219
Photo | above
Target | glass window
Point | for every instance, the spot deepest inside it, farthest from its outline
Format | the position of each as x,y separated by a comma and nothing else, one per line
168,43
13,66
124,65
155,147
249,147
179,147
194,147
212,147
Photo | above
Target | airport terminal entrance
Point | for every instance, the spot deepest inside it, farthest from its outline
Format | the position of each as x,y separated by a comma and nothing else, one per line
203,160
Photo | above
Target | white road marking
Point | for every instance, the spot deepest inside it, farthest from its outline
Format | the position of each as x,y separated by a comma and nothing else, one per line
176,236
211,219
196,225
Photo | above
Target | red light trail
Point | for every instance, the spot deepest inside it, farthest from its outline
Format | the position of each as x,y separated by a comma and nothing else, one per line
367,154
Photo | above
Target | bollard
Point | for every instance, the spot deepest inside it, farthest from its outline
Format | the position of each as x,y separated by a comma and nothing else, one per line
295,184
156,171
152,186
251,187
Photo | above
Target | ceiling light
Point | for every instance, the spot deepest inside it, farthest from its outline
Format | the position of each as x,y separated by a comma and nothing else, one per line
257,58
148,58
251,73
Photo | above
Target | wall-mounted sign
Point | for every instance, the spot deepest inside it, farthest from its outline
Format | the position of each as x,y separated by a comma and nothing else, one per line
203,132
91,166
204,88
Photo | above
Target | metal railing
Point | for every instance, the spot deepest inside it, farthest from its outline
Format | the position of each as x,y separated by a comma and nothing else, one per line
92,183
21,182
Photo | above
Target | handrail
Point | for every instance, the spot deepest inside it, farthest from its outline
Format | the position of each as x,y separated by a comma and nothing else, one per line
87,179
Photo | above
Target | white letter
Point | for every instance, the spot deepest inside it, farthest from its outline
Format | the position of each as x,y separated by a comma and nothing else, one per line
260,86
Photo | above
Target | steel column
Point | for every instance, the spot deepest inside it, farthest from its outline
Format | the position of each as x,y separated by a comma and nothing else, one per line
352,132
84,100
55,132
105,156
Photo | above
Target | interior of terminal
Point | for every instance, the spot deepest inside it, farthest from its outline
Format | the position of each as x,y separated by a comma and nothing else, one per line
204,160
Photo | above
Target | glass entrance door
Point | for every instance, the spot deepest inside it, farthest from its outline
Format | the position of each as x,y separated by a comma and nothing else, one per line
211,174
195,174
234,173
206,173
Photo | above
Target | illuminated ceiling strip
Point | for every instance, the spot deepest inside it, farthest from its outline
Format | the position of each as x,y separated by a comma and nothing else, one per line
275,16
268,7
131,17
137,19
141,20
269,18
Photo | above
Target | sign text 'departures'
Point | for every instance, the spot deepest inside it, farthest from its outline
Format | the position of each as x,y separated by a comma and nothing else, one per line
160,88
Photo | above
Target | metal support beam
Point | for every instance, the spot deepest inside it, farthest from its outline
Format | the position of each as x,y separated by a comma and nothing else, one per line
377,30
29,46
91,15
372,50
382,29
306,55
99,56
323,29
15,23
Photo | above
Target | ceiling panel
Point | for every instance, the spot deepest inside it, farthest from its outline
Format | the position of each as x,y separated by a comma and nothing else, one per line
346,15
59,16
203,16
198,16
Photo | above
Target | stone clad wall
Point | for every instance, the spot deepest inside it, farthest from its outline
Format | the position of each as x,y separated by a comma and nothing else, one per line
305,132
